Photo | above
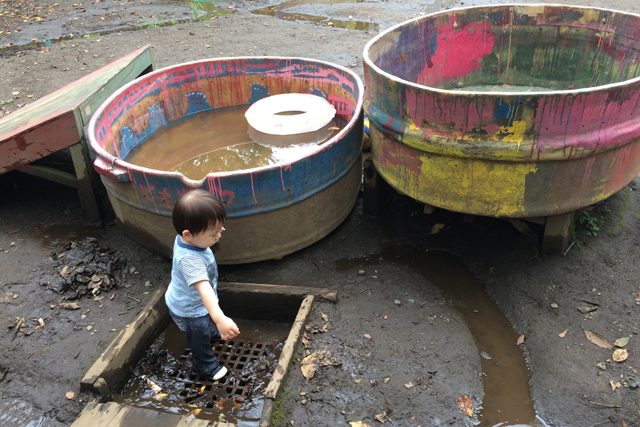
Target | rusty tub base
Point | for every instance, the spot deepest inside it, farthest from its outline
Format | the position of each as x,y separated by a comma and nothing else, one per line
250,238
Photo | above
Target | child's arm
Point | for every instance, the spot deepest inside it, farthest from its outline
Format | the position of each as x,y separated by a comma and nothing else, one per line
227,327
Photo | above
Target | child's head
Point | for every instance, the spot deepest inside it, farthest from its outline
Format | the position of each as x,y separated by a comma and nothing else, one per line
199,218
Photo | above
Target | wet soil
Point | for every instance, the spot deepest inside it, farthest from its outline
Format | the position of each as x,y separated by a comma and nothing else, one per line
425,342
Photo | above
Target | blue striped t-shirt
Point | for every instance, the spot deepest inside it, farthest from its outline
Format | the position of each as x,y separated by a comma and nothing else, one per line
190,265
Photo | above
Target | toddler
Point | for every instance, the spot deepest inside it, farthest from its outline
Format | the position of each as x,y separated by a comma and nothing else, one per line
192,296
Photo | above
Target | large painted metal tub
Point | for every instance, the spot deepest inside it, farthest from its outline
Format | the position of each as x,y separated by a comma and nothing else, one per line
272,211
507,111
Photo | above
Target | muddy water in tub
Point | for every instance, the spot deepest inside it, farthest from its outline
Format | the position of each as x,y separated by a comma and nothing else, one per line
222,141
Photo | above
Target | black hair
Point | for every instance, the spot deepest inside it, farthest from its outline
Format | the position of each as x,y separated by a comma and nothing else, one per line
196,211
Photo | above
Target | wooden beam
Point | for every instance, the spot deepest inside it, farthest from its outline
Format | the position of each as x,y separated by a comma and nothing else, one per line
557,233
322,294
51,174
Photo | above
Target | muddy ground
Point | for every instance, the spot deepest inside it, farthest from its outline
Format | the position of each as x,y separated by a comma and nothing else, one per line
423,339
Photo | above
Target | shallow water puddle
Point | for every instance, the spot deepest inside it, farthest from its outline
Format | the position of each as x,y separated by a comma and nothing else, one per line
507,400
237,398
18,413
223,141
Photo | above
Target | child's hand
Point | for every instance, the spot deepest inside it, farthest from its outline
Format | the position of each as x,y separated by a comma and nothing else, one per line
227,328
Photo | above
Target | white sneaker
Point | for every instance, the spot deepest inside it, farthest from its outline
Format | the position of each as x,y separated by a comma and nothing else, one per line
221,373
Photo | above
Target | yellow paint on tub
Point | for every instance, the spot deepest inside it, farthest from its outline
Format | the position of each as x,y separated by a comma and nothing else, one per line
461,184
513,133
477,186
411,124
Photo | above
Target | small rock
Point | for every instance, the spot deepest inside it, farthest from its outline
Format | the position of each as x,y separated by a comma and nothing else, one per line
397,302
361,272
12,244
303,393
95,278
386,380
89,327
554,305
303,401
633,385
52,306
602,366
148,284
132,270
15,296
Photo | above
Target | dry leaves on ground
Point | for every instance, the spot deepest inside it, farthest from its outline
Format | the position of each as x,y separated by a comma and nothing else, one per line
359,424
620,355
614,386
436,228
466,405
563,333
621,342
309,364
598,339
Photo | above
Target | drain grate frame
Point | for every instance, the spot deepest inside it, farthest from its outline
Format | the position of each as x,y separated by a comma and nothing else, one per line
235,355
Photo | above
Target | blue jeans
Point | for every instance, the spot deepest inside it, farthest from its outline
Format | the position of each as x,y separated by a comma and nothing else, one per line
200,331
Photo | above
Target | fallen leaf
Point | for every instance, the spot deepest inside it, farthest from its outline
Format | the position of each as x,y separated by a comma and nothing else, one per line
386,380
380,417
70,395
194,413
41,323
153,386
367,336
623,424
620,355
621,342
597,339
520,340
308,365
357,380
358,424
324,317
436,228
584,310
636,295
69,305
160,396
562,334
231,6
466,405
409,385
614,386
113,295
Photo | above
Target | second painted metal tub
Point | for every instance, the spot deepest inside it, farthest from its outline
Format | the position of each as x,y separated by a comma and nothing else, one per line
508,111
272,210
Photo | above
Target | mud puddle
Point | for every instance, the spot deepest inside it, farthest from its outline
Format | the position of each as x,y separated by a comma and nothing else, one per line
17,413
507,400
237,398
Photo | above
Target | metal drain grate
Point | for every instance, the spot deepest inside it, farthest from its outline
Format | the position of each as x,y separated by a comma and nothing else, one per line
237,356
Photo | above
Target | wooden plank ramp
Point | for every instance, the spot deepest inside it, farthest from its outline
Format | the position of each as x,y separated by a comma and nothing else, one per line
57,121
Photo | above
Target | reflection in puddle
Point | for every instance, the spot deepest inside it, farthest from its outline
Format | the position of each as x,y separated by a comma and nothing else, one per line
507,400
18,413
222,141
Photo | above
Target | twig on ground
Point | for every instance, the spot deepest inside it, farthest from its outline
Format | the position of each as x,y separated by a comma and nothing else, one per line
362,291
601,422
135,299
604,404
